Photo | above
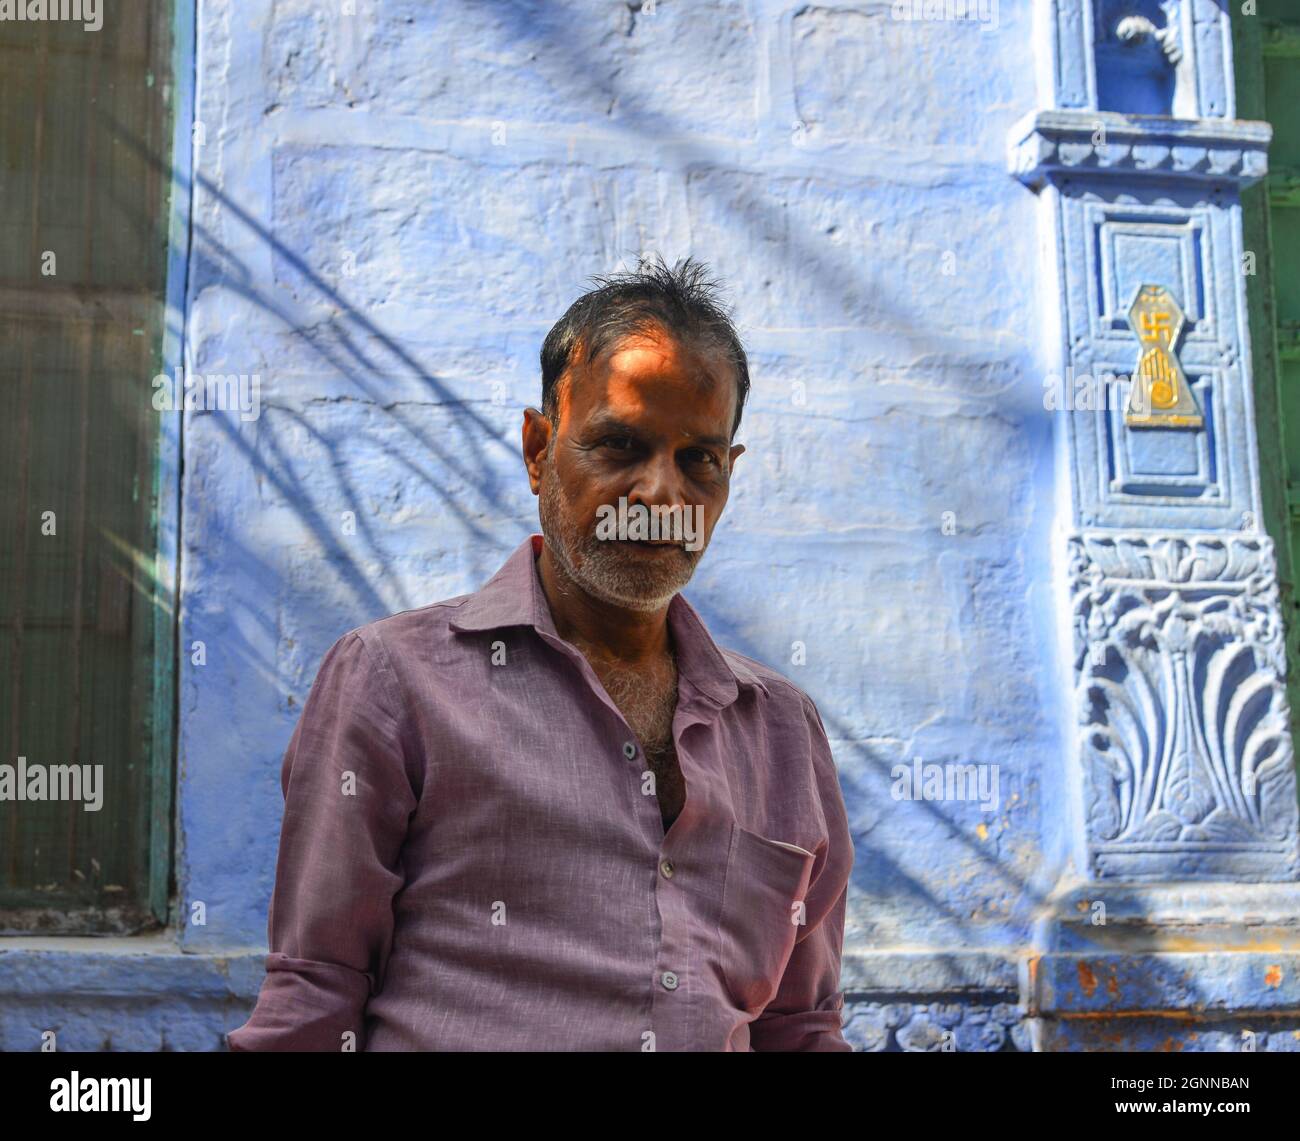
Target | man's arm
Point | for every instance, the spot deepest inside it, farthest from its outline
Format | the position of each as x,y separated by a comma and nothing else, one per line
348,799
806,1011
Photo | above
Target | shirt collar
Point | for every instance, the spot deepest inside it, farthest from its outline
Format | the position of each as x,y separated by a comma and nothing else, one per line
514,597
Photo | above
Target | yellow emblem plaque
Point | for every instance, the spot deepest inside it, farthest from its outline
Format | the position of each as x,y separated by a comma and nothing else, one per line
1160,396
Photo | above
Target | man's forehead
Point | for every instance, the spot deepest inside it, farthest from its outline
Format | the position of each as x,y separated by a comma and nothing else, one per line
657,348
634,354
623,377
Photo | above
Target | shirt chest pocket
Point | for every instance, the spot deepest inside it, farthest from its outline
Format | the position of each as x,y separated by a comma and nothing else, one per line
766,881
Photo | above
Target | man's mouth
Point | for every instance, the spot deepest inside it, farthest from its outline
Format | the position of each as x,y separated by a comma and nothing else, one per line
653,546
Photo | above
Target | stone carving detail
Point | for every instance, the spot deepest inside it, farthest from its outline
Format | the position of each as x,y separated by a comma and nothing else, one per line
1183,717
1139,29
935,1027
1047,143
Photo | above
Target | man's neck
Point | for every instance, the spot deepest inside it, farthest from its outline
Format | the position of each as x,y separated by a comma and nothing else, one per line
613,631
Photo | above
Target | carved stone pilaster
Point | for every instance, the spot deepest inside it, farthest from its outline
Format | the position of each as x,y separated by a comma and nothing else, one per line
1181,762
1183,719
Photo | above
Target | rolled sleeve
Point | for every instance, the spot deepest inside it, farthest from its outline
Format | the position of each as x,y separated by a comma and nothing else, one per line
348,801
806,1013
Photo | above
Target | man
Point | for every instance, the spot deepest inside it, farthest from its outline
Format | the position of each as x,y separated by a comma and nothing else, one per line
554,815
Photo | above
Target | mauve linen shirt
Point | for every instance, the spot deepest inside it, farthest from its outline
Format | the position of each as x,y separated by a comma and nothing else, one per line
473,858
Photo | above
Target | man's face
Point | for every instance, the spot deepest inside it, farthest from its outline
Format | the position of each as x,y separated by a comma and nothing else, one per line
649,419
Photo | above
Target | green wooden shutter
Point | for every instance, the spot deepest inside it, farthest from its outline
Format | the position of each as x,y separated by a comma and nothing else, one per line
1267,66
85,140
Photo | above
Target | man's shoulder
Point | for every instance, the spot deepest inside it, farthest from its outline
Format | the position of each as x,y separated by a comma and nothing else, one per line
393,635
777,685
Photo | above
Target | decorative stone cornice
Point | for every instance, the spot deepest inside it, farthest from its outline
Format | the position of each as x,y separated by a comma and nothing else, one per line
1052,143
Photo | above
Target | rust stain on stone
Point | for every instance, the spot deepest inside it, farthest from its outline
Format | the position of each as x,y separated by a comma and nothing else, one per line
1087,979
1273,976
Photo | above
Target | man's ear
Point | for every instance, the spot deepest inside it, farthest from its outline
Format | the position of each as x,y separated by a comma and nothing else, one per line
735,454
536,436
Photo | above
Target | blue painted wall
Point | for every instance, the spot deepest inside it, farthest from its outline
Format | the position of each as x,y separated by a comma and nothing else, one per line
844,173
396,208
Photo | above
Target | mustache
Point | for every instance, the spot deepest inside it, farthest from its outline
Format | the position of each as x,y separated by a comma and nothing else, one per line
592,542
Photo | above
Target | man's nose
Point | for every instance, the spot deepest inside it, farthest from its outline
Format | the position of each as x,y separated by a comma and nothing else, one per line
658,483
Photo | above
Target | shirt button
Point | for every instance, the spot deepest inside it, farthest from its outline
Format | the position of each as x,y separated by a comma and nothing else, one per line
629,749
667,868
670,980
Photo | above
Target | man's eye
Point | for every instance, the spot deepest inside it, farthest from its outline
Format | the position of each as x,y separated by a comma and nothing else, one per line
613,441
699,455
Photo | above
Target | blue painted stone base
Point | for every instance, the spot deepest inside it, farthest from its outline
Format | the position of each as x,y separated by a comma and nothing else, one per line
935,1027
1233,1034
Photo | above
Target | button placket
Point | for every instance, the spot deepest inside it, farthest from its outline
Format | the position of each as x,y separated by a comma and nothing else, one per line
666,869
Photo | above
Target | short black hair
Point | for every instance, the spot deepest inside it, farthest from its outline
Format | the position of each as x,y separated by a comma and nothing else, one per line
683,301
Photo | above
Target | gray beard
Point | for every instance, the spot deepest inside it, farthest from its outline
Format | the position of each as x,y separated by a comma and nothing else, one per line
606,568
